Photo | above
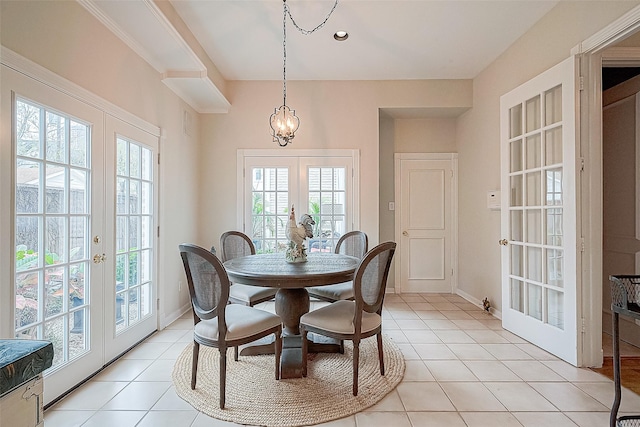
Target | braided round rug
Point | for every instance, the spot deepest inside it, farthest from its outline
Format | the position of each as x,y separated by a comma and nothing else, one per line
255,397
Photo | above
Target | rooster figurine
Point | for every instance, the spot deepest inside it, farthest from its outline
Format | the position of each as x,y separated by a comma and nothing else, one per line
297,233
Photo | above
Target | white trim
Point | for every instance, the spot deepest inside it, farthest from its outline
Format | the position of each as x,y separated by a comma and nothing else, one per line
621,57
173,316
51,79
612,33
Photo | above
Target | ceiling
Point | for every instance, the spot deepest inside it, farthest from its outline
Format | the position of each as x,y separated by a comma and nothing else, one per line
388,39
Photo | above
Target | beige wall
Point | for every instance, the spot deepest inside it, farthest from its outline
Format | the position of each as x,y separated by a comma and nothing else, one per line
64,38
478,132
333,114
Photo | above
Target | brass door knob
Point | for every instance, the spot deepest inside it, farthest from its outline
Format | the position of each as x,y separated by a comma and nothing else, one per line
503,242
404,233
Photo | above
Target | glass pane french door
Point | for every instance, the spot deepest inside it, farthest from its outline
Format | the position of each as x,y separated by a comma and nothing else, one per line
131,266
320,186
57,284
539,221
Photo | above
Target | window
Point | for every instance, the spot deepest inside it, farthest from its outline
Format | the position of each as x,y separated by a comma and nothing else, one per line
321,185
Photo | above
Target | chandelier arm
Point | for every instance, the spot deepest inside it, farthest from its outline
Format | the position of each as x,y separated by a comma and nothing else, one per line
284,52
307,32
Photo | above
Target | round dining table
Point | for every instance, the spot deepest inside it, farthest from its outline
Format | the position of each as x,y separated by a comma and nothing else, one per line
292,299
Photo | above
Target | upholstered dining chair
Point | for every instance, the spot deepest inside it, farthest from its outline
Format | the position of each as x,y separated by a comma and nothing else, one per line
358,319
217,323
234,244
353,243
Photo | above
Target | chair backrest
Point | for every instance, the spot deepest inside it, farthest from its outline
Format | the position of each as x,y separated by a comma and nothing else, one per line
234,244
353,243
208,283
370,280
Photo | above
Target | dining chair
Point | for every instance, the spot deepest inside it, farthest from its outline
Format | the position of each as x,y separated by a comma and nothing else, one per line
353,243
358,319
217,323
234,244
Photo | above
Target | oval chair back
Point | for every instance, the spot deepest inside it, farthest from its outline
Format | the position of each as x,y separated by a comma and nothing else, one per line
234,244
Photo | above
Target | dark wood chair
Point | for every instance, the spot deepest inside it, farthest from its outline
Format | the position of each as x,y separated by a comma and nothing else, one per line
353,243
234,244
358,319
217,323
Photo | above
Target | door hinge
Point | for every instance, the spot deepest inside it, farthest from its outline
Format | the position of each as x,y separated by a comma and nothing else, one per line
581,82
581,164
158,231
158,304
158,158
584,325
582,244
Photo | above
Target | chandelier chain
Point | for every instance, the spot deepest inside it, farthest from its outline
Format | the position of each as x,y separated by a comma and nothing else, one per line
284,54
307,32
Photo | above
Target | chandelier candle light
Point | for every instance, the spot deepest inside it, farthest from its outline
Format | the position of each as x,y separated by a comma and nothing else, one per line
284,122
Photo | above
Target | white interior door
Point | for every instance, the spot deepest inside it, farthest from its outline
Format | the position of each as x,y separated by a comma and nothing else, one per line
538,219
426,225
131,230
57,142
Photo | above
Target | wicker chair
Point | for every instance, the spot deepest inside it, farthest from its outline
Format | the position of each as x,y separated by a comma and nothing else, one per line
355,320
354,243
217,323
234,244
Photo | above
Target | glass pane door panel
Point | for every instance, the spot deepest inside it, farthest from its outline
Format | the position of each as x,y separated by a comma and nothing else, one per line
327,199
534,226
52,229
269,207
534,189
534,151
553,146
555,308
133,220
517,261
516,226
515,154
553,105
534,301
554,227
515,198
516,295
534,263
554,267
553,187
515,121
532,111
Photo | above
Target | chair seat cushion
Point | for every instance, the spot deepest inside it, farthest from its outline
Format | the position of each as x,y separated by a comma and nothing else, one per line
242,322
338,318
334,292
249,294
22,360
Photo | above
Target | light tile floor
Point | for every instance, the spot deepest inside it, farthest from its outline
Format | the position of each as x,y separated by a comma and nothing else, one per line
463,369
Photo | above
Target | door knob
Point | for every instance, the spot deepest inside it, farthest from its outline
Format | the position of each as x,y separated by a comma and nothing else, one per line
404,233
97,258
503,242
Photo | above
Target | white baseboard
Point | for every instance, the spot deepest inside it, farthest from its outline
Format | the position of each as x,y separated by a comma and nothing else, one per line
172,317
477,302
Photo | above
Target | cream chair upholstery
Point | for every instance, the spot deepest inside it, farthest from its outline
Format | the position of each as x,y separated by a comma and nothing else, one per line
217,323
353,243
358,319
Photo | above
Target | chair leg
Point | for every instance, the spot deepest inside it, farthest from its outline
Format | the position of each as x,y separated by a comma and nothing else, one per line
380,353
278,352
194,365
223,375
305,350
356,360
341,346
235,353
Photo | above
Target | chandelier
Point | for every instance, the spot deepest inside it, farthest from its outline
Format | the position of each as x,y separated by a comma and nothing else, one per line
284,122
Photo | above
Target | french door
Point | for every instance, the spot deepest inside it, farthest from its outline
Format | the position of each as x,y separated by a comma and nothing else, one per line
82,229
538,219
321,185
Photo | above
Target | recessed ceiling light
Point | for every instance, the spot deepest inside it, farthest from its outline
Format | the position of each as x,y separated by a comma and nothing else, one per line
341,36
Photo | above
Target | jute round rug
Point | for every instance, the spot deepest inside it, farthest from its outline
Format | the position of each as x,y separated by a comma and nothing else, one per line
254,397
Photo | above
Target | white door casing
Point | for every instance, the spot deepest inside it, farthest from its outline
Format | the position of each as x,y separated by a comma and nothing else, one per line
426,225
539,223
